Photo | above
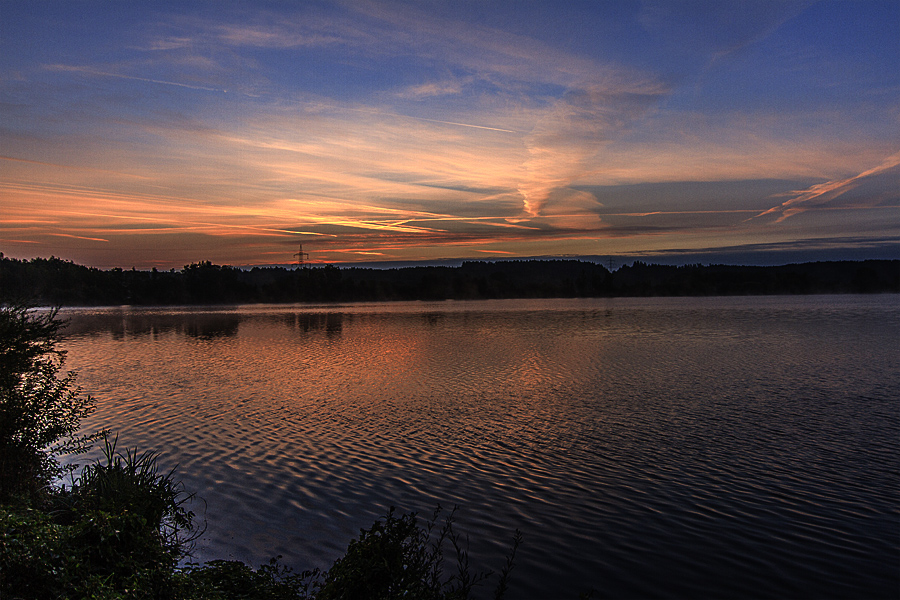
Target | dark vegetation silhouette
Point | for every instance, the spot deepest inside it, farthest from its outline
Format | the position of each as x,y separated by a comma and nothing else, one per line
40,407
56,282
122,527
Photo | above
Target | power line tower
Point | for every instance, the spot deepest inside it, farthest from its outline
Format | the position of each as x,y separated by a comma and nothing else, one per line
301,257
610,263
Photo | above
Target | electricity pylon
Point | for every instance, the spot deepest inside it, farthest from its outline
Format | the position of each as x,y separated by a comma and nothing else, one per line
302,257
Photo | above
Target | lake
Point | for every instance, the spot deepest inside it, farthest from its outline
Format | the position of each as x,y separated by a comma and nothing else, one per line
668,447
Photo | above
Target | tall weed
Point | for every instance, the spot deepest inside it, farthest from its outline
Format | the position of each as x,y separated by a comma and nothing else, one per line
132,482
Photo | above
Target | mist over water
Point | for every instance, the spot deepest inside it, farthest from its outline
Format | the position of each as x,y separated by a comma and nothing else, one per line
644,447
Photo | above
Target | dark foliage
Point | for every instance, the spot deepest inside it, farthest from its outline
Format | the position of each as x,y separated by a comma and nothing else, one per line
396,558
131,483
96,555
118,531
56,282
234,580
40,407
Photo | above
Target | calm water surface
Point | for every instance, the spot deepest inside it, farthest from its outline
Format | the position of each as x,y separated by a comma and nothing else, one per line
644,447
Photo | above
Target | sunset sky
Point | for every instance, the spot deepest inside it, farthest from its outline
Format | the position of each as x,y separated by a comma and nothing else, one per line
141,134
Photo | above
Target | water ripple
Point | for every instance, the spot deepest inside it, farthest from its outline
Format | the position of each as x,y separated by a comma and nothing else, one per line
647,448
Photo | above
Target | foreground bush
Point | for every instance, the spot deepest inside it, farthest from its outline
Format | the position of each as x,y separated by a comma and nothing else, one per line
132,483
96,555
232,580
397,558
119,531
40,406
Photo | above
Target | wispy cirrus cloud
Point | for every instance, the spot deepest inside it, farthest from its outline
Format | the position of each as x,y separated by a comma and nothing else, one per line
432,89
823,193
718,28
278,35
574,131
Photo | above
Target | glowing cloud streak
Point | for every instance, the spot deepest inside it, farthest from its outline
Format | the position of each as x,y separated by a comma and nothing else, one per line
827,191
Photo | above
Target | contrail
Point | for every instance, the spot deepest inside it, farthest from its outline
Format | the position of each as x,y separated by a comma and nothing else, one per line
194,223
460,124
119,76
678,212
184,85
223,91
78,237
388,114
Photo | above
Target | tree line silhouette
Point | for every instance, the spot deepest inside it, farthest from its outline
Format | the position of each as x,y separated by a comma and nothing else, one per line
53,281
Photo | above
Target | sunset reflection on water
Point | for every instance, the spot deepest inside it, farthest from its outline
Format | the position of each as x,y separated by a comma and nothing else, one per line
745,443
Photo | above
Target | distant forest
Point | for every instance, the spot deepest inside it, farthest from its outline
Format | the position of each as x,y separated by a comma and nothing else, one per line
52,281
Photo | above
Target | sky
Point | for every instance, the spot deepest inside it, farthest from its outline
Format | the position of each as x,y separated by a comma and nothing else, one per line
158,134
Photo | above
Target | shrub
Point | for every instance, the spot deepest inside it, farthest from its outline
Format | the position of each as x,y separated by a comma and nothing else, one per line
233,580
118,533
40,409
396,558
132,483
97,555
